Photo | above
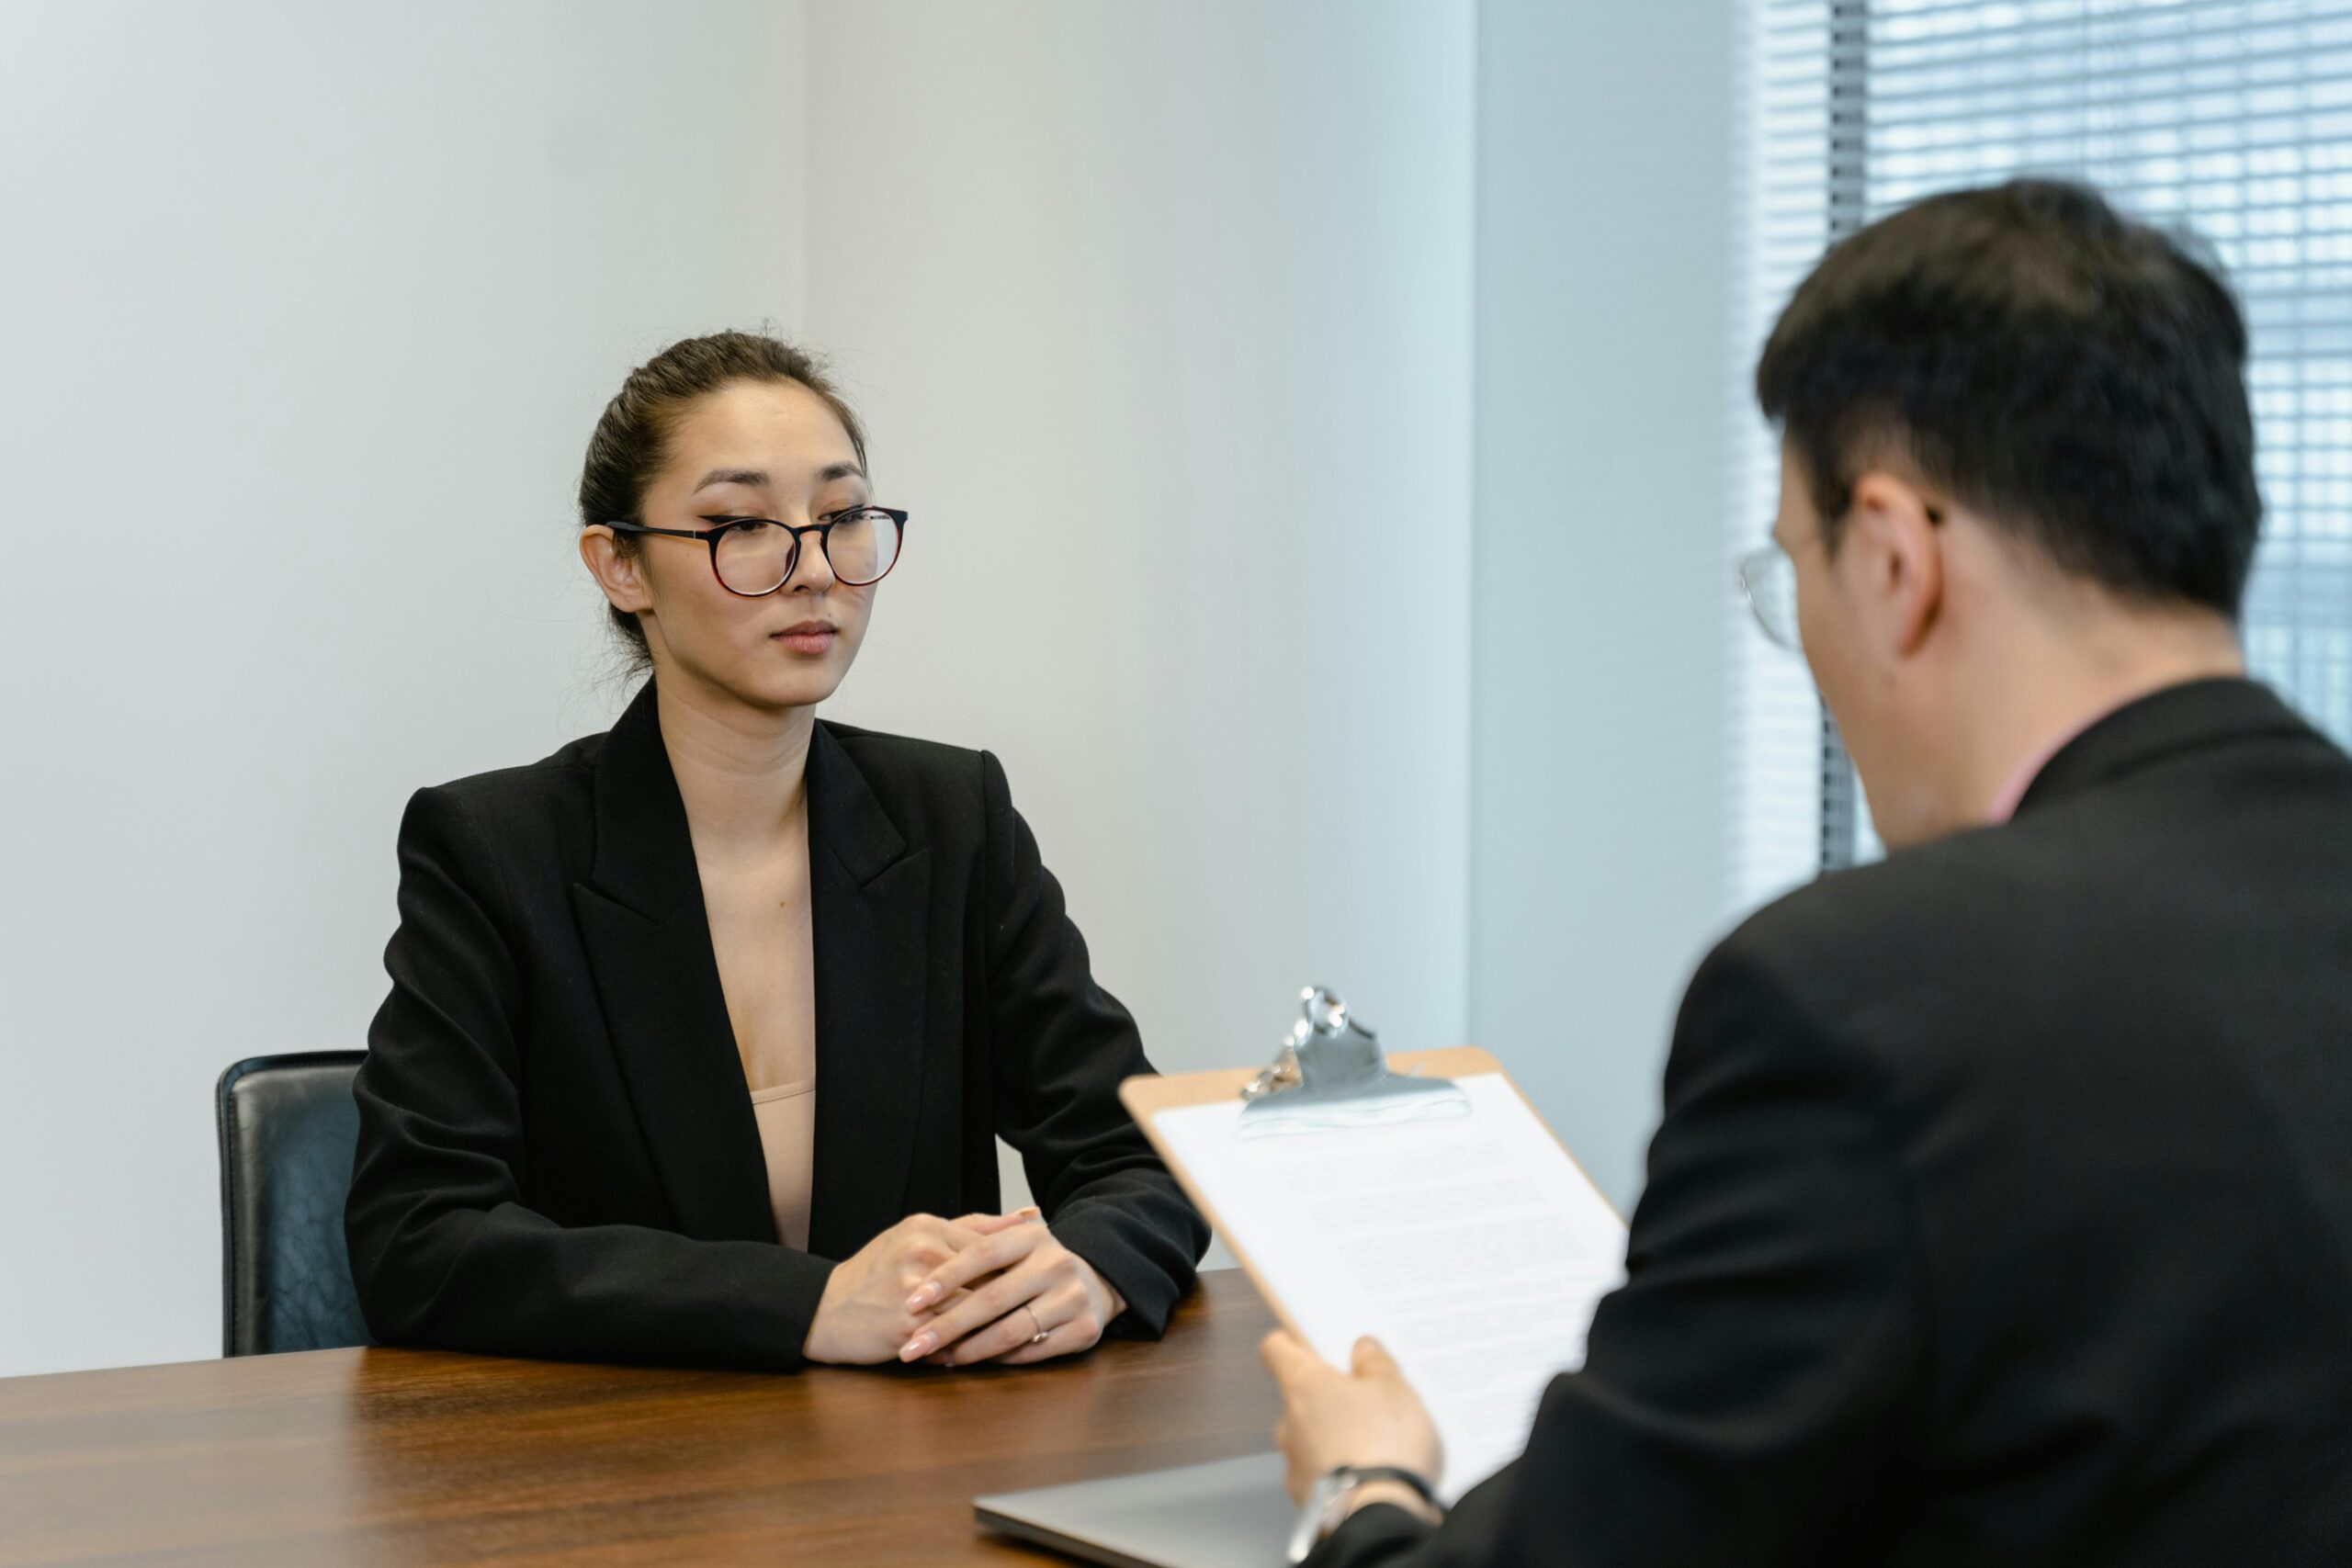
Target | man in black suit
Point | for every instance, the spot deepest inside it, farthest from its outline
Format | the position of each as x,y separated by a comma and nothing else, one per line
2002,1208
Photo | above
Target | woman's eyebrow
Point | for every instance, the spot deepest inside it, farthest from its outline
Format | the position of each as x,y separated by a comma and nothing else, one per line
731,476
757,477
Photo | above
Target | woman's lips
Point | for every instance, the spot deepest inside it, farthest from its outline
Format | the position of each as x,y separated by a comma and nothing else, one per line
808,636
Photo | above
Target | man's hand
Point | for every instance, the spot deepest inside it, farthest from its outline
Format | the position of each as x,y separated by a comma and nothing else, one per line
1368,1415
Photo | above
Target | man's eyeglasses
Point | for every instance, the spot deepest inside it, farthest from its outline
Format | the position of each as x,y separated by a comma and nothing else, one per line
1769,578
756,556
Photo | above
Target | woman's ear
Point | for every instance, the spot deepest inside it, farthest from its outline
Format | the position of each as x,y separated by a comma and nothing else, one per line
1892,530
617,573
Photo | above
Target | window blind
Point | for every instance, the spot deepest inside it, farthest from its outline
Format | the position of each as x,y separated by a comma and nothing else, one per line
2231,117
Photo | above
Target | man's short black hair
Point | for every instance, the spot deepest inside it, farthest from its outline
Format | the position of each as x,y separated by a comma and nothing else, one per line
2066,372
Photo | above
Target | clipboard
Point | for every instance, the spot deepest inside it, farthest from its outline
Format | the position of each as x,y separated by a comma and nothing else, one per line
1146,1096
1416,1196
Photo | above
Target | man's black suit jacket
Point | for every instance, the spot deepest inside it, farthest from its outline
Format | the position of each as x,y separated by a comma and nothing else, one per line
558,1154
2002,1209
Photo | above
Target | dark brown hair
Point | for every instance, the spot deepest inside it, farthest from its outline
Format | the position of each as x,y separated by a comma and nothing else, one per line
2075,375
631,440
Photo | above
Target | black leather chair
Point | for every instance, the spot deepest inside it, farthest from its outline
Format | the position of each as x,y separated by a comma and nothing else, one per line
288,1127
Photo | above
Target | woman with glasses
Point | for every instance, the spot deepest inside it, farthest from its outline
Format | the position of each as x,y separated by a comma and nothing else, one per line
702,1030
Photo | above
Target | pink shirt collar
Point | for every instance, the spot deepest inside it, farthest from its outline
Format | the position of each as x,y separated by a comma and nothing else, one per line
2005,805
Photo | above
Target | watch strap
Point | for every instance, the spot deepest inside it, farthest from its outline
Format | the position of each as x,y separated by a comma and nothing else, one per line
1364,1474
1337,1486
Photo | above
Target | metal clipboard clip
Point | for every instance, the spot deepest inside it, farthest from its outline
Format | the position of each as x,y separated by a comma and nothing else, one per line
1330,1074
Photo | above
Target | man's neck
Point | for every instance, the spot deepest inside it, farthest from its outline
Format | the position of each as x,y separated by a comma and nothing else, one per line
742,771
2052,688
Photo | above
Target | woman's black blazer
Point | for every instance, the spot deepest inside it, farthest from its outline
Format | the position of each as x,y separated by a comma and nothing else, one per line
557,1150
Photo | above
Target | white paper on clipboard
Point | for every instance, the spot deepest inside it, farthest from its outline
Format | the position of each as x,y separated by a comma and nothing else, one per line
1471,1247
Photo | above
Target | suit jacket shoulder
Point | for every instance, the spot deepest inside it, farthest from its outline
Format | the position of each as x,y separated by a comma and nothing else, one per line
537,814
1897,934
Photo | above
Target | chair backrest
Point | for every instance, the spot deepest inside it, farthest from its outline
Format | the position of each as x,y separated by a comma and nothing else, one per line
287,1128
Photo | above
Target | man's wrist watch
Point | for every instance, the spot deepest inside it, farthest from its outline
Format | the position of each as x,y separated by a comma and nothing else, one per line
1327,1504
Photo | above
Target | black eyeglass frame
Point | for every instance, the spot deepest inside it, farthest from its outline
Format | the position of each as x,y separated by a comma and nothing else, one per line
823,528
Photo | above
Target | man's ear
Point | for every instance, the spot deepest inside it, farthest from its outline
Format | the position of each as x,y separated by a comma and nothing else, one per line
617,574
1899,557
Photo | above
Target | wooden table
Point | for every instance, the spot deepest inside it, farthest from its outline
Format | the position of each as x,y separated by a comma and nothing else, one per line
367,1457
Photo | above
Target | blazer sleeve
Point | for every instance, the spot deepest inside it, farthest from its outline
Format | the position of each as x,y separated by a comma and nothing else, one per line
1746,1394
444,1250
1062,1046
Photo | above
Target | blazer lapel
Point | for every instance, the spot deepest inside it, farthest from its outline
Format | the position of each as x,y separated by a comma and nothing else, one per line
868,900
649,945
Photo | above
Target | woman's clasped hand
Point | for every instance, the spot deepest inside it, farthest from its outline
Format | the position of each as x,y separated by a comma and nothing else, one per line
959,1292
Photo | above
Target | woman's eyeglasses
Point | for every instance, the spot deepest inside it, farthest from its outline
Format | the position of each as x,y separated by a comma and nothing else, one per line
756,556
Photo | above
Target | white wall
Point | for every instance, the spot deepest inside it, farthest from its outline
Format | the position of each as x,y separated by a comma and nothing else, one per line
1161,319
305,314
1604,269
1160,315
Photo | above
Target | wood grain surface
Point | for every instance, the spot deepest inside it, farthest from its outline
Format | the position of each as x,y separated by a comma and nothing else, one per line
396,1457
